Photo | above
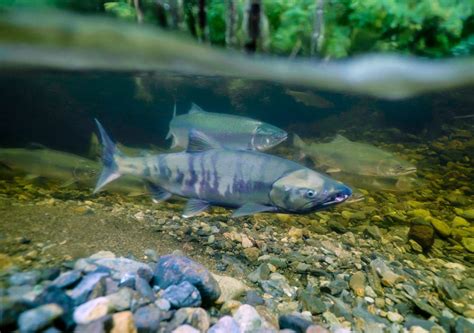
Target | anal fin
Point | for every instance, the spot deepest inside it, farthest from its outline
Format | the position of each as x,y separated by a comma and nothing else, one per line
158,193
252,208
194,207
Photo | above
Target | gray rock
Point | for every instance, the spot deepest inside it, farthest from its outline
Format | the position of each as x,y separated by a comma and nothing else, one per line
143,287
39,318
464,326
25,278
293,322
248,319
185,329
67,279
278,286
311,302
10,310
182,295
196,317
173,269
56,295
147,319
121,300
128,280
374,232
335,287
230,288
92,310
261,273
86,287
101,325
163,304
122,266
411,321
226,324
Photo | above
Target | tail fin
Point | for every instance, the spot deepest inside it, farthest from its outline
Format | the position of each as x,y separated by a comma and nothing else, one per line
110,169
297,142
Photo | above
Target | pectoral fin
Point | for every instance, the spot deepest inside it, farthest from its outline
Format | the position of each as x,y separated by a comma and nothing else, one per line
252,208
194,207
199,141
158,193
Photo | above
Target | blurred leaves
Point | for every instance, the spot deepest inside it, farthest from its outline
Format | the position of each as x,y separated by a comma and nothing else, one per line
431,28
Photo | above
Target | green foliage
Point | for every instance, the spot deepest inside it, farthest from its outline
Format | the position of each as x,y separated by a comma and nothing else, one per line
431,28
120,9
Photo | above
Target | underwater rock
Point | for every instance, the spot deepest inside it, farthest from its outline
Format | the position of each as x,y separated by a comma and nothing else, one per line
174,269
463,325
388,277
230,288
248,319
10,309
101,325
252,254
182,295
458,222
335,287
67,279
143,288
54,294
311,302
185,329
196,317
295,323
226,324
441,227
422,233
91,310
24,278
39,318
357,283
261,273
121,266
90,283
121,300
278,286
147,319
123,323
253,298
468,243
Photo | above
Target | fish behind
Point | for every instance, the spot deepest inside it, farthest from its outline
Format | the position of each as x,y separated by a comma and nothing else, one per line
231,131
208,174
343,155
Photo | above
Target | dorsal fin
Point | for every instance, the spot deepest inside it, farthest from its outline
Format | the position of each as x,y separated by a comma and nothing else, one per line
340,138
198,141
195,109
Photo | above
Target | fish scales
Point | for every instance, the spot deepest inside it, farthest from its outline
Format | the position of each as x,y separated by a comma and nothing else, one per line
222,176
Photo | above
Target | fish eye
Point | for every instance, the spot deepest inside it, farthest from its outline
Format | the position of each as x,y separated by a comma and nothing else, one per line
310,194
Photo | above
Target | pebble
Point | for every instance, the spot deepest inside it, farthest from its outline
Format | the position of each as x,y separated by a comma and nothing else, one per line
121,300
24,278
230,288
67,279
39,318
252,254
394,317
147,318
182,295
295,323
185,329
92,310
196,317
248,319
261,273
143,288
388,277
174,269
123,323
422,233
441,227
86,287
468,243
357,283
226,324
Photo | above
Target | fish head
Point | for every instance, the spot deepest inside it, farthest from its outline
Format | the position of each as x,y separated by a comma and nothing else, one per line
267,136
395,168
304,190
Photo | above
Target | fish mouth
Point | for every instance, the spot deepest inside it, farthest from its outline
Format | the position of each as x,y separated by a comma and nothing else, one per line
407,171
336,199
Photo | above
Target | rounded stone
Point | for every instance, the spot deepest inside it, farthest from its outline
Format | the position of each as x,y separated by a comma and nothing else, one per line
91,310
174,269
39,318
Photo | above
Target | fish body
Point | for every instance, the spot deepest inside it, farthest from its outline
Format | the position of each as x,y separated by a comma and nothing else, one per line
343,155
234,132
62,167
208,175
309,98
